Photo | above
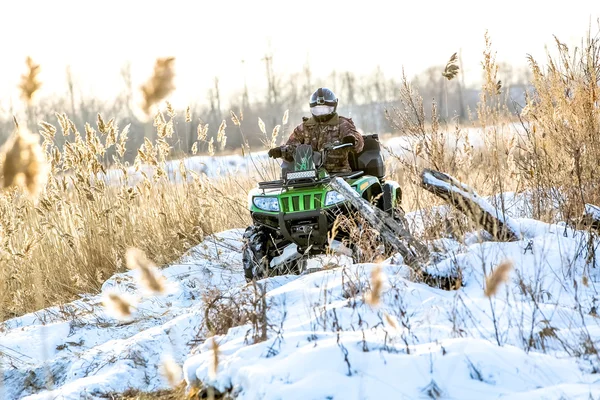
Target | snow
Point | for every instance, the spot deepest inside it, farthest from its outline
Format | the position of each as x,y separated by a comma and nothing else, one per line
89,353
592,211
209,166
534,340
457,187
473,136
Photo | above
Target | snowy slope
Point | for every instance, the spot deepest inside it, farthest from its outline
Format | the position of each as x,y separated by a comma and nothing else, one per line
332,345
534,340
89,353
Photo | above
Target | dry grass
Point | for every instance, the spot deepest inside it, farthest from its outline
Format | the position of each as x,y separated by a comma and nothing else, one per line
452,68
178,393
150,279
75,234
551,150
561,148
377,281
30,82
498,276
76,228
172,372
160,85
23,162
214,365
118,305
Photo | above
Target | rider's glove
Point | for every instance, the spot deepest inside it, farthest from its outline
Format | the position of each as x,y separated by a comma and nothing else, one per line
349,139
275,152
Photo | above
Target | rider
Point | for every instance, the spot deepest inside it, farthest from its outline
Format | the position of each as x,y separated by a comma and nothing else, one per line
324,127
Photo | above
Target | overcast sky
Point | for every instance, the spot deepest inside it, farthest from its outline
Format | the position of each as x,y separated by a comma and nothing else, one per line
211,38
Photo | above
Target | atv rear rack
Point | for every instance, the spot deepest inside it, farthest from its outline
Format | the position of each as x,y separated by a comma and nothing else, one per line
280,183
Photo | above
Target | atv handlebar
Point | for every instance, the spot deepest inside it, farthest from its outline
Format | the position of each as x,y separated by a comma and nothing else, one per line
337,145
327,148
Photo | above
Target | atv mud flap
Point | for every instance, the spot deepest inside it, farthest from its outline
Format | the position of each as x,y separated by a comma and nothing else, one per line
305,228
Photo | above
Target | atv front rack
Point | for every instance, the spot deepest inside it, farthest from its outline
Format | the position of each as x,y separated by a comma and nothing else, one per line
280,183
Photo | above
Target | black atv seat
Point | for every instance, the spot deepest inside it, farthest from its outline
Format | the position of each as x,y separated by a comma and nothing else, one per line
370,159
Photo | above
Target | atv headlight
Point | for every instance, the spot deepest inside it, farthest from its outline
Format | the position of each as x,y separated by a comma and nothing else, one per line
267,203
333,197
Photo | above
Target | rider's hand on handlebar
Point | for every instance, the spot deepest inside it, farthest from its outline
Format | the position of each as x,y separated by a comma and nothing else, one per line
275,152
349,139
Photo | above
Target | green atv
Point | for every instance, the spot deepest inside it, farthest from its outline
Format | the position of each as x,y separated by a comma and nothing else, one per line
293,217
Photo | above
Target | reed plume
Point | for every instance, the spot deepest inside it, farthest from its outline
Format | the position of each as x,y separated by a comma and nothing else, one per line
497,277
160,85
23,162
150,278
30,82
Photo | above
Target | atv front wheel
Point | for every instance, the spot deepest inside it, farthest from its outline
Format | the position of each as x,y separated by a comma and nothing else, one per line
254,253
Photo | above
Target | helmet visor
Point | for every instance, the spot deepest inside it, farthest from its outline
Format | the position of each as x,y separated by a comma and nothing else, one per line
319,111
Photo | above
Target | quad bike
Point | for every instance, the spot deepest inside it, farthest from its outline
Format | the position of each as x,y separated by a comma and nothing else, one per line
293,217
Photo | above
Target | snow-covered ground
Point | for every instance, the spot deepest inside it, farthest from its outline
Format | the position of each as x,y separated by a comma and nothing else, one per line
535,340
210,166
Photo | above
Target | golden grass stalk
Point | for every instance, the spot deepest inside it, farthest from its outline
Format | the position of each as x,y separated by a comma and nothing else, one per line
150,279
211,146
377,280
202,132
117,305
170,110
285,118
24,163
160,85
391,321
171,371
188,114
63,120
261,126
498,276
101,124
30,82
452,68
214,365
221,134
234,118
274,135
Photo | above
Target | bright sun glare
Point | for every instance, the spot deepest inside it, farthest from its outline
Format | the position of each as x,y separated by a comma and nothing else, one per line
210,39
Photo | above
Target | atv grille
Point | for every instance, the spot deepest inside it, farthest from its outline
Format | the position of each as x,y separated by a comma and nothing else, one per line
318,198
306,202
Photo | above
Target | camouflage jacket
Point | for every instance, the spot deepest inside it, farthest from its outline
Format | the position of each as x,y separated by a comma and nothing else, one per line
318,134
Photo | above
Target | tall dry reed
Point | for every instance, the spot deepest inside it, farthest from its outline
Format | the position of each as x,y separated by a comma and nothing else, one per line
75,234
